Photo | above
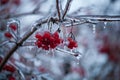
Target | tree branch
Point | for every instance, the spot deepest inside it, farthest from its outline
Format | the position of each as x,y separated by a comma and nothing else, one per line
58,9
97,17
66,8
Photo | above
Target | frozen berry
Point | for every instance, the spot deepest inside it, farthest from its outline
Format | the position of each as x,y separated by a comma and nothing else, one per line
8,35
72,44
13,26
9,68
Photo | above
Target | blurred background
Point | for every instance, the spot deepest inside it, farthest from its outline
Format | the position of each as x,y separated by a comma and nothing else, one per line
98,51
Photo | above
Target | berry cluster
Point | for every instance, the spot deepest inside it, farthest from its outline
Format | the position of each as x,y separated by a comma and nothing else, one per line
112,50
8,68
50,41
72,43
47,40
13,27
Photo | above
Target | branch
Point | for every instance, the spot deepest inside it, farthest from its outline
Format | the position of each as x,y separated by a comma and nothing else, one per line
58,9
105,18
97,16
66,8
19,43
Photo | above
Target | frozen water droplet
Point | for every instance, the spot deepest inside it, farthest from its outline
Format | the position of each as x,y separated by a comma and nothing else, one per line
78,55
105,23
94,28
78,59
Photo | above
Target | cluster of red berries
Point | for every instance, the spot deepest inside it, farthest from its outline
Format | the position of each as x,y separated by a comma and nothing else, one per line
50,41
47,40
112,50
8,68
13,27
16,2
72,43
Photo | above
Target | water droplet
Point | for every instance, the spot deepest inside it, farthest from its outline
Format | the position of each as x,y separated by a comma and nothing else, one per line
94,28
78,59
78,55
105,23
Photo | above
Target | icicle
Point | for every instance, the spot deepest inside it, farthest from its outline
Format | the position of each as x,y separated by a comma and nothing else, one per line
105,23
52,52
94,28
78,55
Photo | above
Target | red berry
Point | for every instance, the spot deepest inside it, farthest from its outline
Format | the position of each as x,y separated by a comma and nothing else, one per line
52,42
47,34
104,49
56,35
9,68
11,78
13,26
38,43
46,41
38,36
8,35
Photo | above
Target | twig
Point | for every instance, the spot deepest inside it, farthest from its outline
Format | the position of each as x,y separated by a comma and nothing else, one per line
66,8
39,5
58,9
